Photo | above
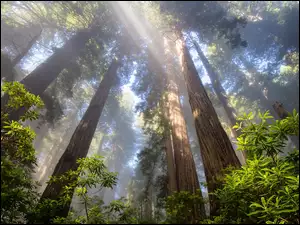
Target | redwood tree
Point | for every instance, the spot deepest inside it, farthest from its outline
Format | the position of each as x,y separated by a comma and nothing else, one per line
40,78
171,172
215,147
81,138
186,174
219,90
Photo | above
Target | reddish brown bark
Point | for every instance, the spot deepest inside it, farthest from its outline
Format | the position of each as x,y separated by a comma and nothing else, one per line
172,181
216,149
186,175
82,137
39,79
185,166
220,92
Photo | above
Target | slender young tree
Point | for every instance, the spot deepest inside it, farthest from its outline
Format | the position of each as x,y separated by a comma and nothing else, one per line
82,137
216,149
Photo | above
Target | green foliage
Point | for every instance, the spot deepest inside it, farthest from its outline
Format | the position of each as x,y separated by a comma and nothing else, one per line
117,212
264,138
18,193
91,171
293,157
263,191
20,97
266,189
260,191
180,207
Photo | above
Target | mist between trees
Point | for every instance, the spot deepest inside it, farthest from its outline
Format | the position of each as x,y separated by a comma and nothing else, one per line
149,112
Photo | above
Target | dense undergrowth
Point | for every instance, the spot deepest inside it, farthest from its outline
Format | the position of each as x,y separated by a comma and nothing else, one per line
265,190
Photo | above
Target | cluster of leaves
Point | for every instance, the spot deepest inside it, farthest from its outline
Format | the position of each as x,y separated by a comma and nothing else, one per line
266,189
117,212
180,207
207,17
18,192
265,138
19,97
260,192
90,172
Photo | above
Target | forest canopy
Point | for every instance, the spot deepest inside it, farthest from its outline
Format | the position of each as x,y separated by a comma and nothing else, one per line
133,112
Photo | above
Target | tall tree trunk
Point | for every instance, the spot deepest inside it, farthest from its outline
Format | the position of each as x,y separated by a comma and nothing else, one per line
282,113
215,147
148,205
39,79
172,181
221,94
82,137
186,177
155,59
18,58
186,174
7,70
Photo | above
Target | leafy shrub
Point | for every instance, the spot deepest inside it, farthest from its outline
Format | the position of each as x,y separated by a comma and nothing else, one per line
266,189
18,192
265,138
90,172
117,212
181,206
260,191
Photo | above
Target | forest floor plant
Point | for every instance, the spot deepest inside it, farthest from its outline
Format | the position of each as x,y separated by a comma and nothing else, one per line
18,192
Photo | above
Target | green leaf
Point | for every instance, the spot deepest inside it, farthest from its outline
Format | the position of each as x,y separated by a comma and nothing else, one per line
256,205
